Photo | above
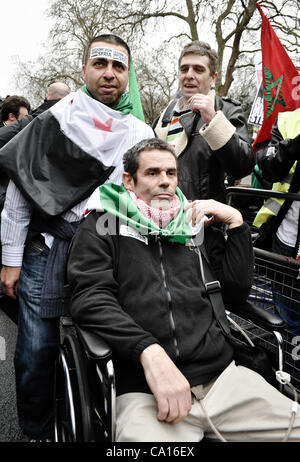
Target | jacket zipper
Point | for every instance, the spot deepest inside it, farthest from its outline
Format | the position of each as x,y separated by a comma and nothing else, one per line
169,298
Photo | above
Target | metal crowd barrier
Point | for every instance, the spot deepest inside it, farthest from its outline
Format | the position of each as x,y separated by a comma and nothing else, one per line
276,282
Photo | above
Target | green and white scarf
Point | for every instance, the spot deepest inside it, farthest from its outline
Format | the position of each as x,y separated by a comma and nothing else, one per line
115,200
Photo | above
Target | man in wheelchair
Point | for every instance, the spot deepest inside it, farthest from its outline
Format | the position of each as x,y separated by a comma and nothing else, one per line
135,274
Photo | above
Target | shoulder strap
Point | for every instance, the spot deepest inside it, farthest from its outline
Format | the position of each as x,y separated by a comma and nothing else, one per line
167,117
213,289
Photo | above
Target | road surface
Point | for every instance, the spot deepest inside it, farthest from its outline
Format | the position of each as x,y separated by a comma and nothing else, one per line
9,428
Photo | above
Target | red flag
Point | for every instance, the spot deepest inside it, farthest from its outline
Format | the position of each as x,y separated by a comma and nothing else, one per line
281,80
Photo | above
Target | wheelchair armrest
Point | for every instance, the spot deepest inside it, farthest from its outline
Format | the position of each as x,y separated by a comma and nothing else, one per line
260,317
96,348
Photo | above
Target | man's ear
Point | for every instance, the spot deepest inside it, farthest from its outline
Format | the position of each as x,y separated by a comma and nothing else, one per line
83,72
213,78
128,181
11,117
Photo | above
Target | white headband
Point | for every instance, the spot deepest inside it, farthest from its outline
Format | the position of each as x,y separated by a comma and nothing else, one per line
109,53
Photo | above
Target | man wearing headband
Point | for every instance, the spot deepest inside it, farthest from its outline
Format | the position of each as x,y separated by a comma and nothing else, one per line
209,133
54,165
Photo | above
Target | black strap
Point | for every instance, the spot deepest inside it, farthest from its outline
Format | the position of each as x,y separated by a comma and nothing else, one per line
213,289
167,117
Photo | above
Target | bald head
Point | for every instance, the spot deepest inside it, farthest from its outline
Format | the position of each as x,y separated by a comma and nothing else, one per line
57,90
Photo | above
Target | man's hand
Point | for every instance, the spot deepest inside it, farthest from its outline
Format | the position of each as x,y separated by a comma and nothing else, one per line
203,104
9,280
168,385
217,211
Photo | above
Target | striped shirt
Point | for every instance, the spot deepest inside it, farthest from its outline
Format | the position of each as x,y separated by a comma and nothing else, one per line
15,219
176,129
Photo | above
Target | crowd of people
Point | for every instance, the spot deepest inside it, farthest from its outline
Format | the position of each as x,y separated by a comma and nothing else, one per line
108,220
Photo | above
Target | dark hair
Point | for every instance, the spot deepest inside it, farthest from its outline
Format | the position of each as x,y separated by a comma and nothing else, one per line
12,104
108,38
203,49
131,157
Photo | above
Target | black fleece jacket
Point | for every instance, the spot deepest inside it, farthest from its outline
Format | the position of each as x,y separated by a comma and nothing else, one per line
134,293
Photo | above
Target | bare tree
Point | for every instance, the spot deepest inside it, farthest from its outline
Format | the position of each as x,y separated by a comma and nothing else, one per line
75,22
235,24
231,26
157,83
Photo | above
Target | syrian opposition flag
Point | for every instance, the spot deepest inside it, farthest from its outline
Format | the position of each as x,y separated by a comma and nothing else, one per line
66,152
281,80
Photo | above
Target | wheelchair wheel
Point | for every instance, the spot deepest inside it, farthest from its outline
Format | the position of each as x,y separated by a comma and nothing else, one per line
72,408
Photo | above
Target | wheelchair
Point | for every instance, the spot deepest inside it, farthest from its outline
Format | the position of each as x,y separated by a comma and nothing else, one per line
85,392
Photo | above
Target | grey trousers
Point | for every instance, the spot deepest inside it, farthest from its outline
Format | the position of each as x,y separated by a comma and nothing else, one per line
240,403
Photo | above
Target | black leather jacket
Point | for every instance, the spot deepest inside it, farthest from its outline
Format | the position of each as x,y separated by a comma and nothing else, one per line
201,171
9,131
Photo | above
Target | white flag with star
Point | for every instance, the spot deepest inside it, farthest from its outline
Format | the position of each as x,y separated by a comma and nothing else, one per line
97,129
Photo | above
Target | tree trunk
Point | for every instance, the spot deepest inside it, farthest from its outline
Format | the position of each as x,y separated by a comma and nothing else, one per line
222,88
191,20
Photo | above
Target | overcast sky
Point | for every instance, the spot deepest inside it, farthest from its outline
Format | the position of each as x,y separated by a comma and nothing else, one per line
24,27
